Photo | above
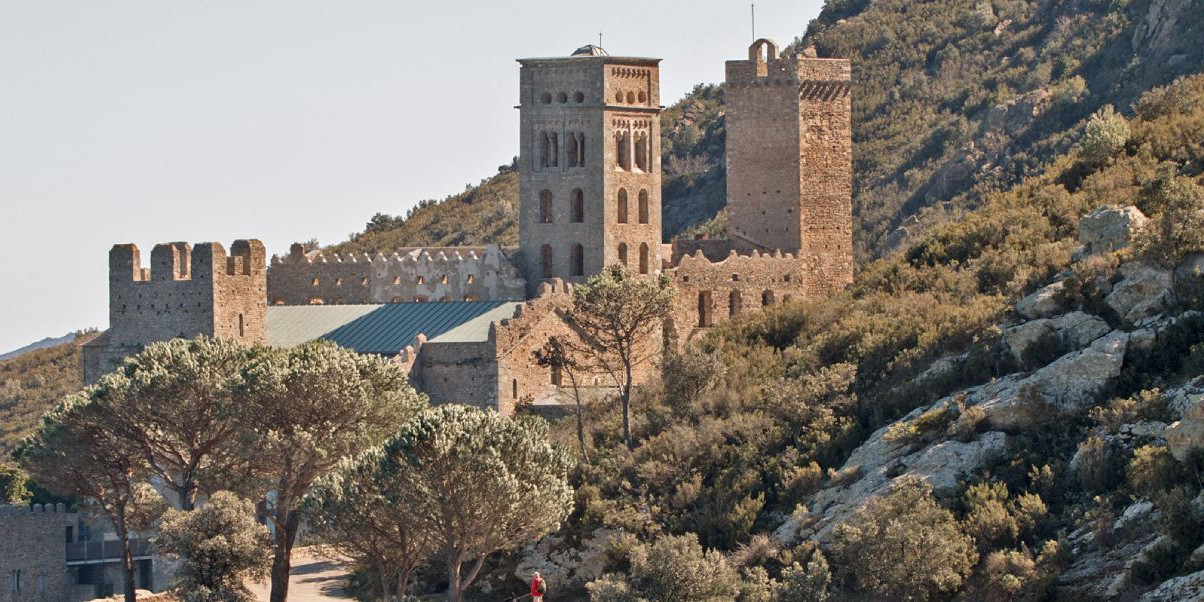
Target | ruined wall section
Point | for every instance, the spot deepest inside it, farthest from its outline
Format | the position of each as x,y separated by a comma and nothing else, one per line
407,275
186,291
709,292
35,548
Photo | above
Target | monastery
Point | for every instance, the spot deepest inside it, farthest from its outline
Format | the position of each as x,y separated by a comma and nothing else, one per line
465,321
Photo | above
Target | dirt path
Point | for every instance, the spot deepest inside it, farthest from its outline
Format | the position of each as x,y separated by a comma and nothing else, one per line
313,579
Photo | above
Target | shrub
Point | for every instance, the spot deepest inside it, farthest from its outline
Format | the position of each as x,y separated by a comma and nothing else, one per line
1106,134
805,582
672,569
1095,465
1152,469
220,546
1146,405
904,545
1178,231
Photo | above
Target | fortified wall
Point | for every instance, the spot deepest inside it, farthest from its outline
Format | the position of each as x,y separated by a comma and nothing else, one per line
33,552
187,291
407,275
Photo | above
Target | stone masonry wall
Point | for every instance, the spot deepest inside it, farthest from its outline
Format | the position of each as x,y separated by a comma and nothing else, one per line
33,545
709,292
411,274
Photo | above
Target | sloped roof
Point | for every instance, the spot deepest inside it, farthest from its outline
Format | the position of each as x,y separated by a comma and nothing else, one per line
476,330
384,329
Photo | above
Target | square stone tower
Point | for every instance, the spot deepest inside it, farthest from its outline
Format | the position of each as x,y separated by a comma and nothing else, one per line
187,291
789,158
590,187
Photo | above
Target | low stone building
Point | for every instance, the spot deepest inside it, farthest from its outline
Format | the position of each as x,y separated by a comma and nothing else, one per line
51,554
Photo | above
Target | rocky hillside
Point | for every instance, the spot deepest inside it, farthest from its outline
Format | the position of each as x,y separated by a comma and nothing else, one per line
32,382
1013,401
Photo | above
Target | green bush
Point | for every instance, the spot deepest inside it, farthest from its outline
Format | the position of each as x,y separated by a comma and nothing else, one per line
1152,469
671,569
904,545
805,582
1106,134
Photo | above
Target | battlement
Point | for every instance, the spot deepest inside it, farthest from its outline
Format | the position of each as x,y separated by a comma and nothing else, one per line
179,261
765,67
37,509
405,275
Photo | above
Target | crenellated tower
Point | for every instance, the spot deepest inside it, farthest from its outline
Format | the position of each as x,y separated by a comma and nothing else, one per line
590,187
789,160
186,291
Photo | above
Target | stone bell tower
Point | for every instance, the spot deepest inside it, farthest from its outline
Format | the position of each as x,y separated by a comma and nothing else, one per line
590,188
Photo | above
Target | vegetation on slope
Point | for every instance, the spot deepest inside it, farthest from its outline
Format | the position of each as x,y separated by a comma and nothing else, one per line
799,387
31,383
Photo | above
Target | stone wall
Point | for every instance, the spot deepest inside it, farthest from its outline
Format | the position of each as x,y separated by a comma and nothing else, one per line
410,274
709,292
33,549
187,291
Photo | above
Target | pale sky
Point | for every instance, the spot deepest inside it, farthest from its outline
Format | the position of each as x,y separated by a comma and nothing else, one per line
210,120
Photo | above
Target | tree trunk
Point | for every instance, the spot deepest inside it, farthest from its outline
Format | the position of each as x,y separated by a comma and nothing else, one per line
453,579
384,580
580,417
188,495
127,557
403,583
625,395
282,564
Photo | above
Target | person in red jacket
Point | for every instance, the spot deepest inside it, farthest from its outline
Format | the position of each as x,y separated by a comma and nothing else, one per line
538,587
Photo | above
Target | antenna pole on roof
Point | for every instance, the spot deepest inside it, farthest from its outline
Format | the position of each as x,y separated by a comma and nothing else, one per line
752,9
599,39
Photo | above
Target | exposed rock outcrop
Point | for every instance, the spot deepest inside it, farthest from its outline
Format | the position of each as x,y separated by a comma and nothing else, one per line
1144,292
1109,228
1044,303
1071,332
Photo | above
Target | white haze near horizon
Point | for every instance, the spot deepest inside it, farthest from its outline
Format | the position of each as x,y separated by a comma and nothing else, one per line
284,120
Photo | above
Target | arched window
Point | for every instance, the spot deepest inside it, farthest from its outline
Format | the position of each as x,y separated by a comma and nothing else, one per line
631,98
641,152
643,208
643,97
546,98
622,206
767,298
578,206
242,331
623,150
643,258
579,97
578,260
562,98
705,306
581,149
545,256
545,149
623,253
545,206
556,375
514,389
733,303
573,152
619,96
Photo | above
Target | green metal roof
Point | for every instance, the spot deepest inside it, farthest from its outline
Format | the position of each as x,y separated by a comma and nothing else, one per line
476,330
383,329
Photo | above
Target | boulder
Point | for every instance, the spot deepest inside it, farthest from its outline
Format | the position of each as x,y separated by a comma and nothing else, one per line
1109,228
1187,588
1044,303
1144,291
1186,434
881,463
1070,383
1074,331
